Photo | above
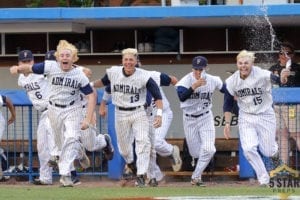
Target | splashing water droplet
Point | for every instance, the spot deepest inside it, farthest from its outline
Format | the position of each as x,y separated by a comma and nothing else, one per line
260,36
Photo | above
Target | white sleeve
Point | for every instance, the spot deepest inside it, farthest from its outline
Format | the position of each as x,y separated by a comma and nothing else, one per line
229,86
219,83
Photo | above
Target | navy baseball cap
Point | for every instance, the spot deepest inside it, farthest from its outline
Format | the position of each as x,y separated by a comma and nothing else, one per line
25,55
50,55
199,62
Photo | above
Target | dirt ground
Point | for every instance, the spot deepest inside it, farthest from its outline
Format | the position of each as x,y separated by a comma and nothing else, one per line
168,181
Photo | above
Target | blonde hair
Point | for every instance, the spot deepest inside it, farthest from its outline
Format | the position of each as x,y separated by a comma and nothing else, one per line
245,53
63,44
130,51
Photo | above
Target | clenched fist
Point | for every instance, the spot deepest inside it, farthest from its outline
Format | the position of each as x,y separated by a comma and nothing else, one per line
14,69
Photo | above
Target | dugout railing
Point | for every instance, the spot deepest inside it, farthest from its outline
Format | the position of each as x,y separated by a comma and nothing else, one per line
18,144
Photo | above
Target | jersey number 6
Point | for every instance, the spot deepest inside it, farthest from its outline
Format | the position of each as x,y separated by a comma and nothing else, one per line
38,95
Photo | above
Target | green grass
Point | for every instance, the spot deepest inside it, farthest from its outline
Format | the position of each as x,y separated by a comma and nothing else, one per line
95,193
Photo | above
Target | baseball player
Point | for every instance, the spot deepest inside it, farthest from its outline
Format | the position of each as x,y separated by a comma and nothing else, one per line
287,116
251,86
129,87
53,161
36,87
159,144
195,92
130,170
89,138
4,100
65,107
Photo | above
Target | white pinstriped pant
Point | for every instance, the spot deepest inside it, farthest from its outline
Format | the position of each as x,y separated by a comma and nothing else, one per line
89,138
159,144
45,145
91,141
65,123
258,131
134,125
200,137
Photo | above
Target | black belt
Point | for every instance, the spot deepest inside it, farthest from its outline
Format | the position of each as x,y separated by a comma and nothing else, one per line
61,106
196,116
128,109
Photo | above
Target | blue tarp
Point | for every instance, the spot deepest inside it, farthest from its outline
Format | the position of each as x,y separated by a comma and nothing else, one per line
286,95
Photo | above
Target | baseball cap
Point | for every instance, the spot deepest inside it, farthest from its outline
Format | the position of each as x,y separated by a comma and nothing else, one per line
199,62
50,55
25,55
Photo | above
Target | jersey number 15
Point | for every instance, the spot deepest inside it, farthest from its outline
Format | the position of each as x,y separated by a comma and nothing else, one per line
257,100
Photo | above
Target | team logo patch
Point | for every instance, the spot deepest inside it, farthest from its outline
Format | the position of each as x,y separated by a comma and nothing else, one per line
25,54
198,61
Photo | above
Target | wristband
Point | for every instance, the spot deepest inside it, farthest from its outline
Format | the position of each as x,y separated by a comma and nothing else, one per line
159,112
92,84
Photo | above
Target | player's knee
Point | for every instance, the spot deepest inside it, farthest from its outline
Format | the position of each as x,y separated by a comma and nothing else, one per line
212,152
209,151
158,144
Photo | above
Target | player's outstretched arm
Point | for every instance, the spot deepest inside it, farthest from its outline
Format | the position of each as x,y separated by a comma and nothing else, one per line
12,110
88,120
174,79
158,118
21,69
227,109
97,83
102,108
105,98
227,132
153,88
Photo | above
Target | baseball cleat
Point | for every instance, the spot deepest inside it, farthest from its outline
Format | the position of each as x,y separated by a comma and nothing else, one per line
129,171
198,182
4,178
153,182
84,161
75,180
66,181
109,149
38,181
177,162
140,181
